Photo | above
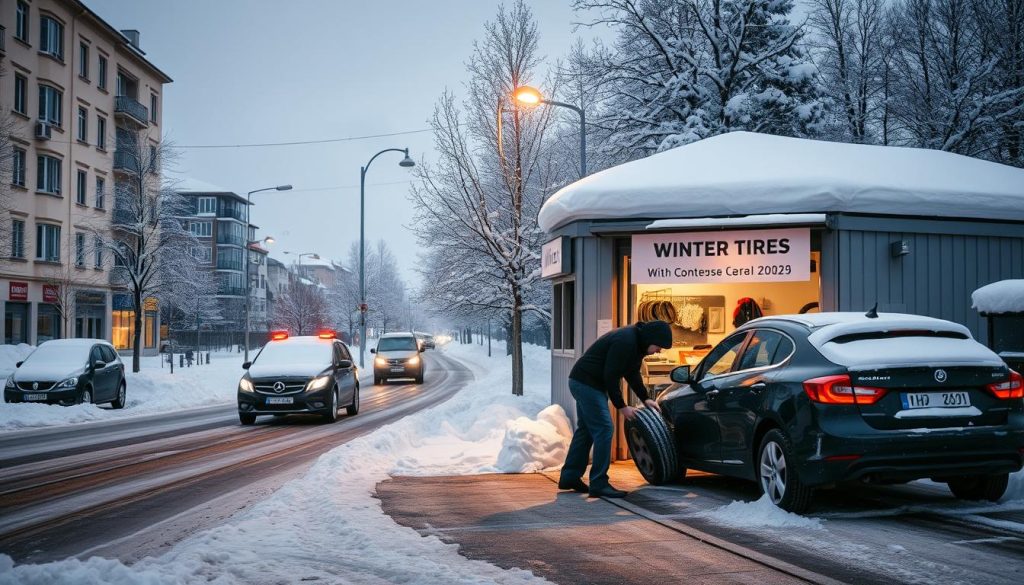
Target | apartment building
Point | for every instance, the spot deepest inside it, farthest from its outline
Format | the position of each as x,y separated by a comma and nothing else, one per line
74,87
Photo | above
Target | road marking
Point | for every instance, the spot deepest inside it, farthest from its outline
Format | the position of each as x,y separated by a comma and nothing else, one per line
994,540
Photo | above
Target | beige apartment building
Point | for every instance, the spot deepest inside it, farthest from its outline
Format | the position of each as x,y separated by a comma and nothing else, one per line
74,86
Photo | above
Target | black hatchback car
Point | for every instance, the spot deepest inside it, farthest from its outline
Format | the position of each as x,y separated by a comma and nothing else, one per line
67,372
299,375
806,401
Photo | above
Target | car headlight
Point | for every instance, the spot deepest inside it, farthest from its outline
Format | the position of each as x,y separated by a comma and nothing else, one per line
413,360
245,385
380,361
69,383
10,382
318,383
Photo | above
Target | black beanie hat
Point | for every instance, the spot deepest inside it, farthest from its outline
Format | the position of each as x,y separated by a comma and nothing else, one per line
655,333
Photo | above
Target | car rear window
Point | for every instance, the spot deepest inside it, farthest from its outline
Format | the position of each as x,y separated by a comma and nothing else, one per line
397,344
866,335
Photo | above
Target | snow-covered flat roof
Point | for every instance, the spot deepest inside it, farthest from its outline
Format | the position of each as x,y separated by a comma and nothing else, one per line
743,173
183,184
1005,296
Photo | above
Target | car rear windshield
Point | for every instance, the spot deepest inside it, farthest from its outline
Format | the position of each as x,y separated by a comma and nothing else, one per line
397,344
894,334
285,353
73,356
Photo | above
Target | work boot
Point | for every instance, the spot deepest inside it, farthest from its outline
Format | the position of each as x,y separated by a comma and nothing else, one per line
607,492
576,485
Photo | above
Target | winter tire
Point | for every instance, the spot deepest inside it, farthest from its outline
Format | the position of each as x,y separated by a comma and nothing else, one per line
246,418
651,447
379,381
122,396
331,414
777,477
419,379
86,397
353,409
980,487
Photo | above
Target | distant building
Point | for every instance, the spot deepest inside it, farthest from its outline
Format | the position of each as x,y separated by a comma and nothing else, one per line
76,86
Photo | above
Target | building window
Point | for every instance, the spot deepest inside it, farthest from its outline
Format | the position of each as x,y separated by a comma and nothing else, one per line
51,37
83,61
79,249
48,242
50,102
83,124
101,133
207,205
203,254
80,180
152,107
20,94
203,229
48,174
101,187
18,167
563,314
17,238
97,253
21,22
101,73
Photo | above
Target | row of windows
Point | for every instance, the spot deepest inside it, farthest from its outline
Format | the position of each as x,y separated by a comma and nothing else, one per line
51,31
51,111
48,178
48,244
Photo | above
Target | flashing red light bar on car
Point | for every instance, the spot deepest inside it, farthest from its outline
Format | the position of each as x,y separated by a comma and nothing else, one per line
278,335
327,334
840,390
1009,389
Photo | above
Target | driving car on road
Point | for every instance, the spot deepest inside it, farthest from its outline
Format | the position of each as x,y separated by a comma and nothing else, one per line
426,340
397,355
299,375
800,402
69,371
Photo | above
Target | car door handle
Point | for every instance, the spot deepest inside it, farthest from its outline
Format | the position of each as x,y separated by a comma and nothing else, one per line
758,386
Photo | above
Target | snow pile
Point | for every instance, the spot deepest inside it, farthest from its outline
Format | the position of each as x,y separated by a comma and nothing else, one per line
10,355
332,509
1015,491
1005,296
760,514
151,391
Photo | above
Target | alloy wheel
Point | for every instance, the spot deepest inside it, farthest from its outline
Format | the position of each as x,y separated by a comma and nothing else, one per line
773,471
121,394
641,454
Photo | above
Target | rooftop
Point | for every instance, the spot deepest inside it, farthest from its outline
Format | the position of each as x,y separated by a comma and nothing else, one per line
743,173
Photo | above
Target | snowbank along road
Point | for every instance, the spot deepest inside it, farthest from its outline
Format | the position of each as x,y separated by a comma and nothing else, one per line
131,488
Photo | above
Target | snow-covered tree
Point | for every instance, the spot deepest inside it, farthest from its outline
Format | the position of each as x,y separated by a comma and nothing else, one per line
683,70
1001,34
7,128
477,206
187,295
302,309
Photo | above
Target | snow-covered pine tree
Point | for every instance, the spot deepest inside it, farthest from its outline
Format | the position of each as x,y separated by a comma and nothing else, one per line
683,70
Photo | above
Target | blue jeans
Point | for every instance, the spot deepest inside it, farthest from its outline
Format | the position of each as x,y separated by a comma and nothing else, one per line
593,428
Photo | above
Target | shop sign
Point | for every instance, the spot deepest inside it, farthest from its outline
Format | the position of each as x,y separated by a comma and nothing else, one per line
149,304
51,293
781,255
90,298
18,291
556,258
122,302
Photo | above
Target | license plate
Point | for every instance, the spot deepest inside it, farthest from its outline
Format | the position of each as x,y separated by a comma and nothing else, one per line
280,400
35,397
397,370
936,400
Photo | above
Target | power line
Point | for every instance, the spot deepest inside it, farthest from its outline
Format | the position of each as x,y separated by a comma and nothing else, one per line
301,142
345,187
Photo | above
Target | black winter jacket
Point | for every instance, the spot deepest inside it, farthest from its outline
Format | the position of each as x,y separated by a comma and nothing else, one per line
618,354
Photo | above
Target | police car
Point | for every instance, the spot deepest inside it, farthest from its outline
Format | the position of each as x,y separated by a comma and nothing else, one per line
299,375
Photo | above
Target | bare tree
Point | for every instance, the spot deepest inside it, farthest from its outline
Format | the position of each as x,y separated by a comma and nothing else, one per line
302,310
7,128
187,294
63,283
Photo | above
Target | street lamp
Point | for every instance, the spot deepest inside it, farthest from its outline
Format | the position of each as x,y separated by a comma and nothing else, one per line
531,96
298,257
406,163
245,238
248,287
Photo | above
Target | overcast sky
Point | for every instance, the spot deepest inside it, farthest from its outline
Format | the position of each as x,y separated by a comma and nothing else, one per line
255,71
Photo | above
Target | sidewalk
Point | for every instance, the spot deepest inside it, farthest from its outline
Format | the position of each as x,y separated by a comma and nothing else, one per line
524,521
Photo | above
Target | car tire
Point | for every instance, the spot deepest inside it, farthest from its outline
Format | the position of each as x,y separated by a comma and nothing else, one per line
652,448
246,418
331,414
777,476
980,487
377,380
353,409
122,396
85,397
419,378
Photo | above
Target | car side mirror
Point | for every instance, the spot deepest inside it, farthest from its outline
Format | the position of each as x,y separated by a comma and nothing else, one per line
680,375
99,364
372,350
246,365
345,364
18,365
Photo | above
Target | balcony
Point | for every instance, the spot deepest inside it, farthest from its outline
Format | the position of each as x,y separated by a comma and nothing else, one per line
227,291
126,161
131,110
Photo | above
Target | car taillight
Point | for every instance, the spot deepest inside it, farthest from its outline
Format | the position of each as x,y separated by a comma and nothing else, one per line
1010,389
840,390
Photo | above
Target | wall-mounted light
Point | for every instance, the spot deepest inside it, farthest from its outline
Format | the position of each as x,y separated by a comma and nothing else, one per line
900,248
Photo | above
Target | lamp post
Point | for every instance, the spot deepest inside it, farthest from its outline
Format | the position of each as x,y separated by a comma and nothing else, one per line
530,96
406,162
245,238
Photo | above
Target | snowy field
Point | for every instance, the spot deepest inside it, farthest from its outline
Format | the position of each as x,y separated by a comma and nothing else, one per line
482,429
153,390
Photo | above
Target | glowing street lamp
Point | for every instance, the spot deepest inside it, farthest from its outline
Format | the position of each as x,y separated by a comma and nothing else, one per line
531,96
